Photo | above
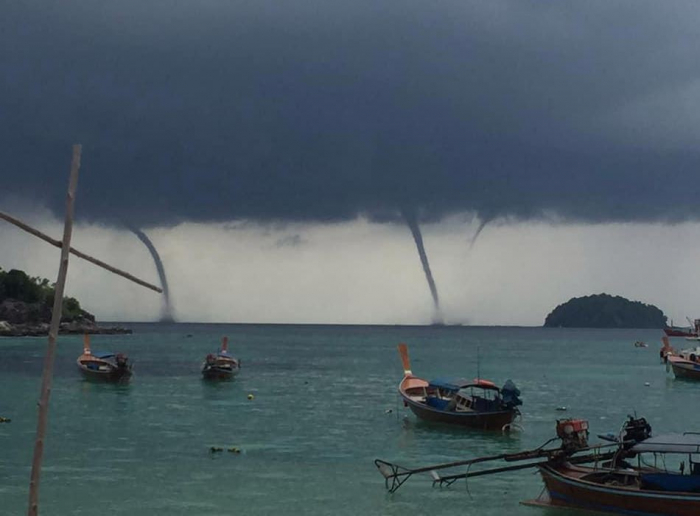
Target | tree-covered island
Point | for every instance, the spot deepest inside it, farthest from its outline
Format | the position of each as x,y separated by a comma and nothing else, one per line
605,311
26,304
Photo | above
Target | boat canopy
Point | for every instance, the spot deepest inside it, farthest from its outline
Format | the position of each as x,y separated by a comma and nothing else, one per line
449,384
688,442
103,354
455,384
486,384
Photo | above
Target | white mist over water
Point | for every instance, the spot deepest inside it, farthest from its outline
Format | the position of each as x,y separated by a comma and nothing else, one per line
359,272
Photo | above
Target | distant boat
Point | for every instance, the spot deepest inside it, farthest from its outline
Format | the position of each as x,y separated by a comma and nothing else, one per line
470,403
105,365
679,331
220,366
640,344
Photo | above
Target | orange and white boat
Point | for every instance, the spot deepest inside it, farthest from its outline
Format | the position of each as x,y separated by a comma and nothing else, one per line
221,366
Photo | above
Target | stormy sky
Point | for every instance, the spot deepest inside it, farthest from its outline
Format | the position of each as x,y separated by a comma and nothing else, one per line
197,114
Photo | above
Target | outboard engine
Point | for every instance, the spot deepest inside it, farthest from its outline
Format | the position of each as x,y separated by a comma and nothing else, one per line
123,364
509,394
635,431
573,434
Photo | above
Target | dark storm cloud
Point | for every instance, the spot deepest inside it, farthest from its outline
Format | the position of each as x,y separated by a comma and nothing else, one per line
320,110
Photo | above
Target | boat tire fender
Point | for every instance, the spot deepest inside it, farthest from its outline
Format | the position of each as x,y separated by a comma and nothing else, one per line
511,427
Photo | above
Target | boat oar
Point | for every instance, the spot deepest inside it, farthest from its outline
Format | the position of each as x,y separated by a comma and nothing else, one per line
395,475
399,474
449,480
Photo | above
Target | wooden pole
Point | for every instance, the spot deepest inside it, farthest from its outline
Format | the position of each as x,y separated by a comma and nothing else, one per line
79,254
47,376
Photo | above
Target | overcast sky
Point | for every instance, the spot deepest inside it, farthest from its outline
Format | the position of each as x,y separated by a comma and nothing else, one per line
279,142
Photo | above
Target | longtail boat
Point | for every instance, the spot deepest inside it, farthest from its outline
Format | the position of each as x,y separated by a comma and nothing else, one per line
684,364
106,366
475,403
634,475
220,366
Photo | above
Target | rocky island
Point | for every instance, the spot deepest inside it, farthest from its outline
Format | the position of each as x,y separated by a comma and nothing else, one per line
605,311
25,309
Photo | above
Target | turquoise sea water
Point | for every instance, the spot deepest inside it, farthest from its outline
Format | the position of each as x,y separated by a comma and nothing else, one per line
325,406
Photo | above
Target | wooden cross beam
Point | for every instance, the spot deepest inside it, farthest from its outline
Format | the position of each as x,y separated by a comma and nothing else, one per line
79,254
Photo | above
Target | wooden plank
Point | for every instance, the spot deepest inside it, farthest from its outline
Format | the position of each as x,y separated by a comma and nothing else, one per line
47,376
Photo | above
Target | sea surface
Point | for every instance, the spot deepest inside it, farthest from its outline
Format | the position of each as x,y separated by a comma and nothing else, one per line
324,407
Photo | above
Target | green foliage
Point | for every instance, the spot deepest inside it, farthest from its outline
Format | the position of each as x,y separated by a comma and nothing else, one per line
71,308
605,311
17,285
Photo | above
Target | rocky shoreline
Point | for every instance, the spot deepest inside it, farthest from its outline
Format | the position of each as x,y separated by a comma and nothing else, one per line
20,319
42,329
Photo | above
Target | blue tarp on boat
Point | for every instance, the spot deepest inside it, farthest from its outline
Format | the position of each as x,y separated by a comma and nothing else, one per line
671,482
102,354
437,403
450,384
